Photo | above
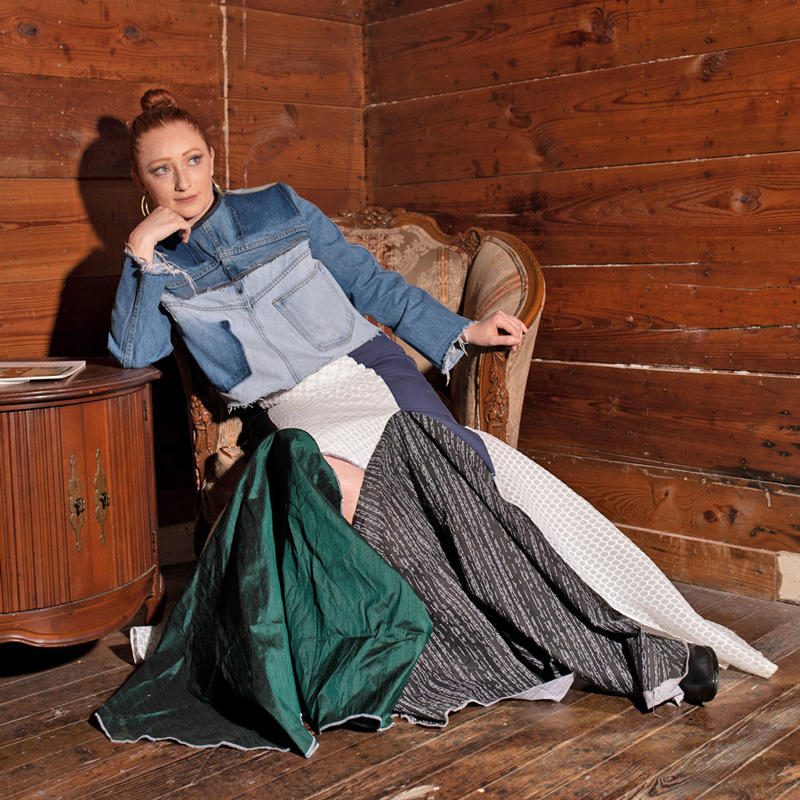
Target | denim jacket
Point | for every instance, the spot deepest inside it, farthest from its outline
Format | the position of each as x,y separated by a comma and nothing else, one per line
266,291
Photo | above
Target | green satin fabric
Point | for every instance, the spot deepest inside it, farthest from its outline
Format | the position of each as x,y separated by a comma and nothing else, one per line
289,616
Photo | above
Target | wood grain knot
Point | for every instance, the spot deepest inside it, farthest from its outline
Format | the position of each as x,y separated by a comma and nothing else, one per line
602,25
747,200
133,34
711,64
517,119
27,29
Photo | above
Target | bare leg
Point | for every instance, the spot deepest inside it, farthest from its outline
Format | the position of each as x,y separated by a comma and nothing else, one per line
350,479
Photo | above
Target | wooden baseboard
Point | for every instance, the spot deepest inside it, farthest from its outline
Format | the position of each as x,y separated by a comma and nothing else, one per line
711,564
735,535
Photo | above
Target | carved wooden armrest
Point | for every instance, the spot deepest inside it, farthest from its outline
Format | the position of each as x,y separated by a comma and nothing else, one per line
489,383
204,435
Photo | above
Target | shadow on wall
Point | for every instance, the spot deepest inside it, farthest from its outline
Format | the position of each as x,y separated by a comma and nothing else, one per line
112,207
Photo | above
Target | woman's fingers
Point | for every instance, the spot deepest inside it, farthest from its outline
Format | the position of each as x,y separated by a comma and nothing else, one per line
160,224
513,323
497,329
165,222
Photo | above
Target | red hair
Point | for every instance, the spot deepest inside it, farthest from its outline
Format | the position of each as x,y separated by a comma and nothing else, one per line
159,107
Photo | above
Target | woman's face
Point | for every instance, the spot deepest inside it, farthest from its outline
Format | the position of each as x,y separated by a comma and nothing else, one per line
176,169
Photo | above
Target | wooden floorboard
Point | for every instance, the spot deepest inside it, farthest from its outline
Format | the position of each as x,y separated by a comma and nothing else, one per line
744,745
773,773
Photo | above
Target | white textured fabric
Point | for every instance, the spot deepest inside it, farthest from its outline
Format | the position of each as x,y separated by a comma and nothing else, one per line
145,639
345,406
610,562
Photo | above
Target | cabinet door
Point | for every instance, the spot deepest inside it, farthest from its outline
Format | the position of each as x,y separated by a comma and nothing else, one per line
90,556
119,456
34,568
80,514
106,447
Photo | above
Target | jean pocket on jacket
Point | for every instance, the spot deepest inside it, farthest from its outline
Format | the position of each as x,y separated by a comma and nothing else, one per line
318,310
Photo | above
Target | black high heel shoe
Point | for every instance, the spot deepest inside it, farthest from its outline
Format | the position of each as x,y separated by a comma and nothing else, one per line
701,682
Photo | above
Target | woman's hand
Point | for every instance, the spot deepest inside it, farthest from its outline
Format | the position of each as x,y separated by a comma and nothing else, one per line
497,329
152,229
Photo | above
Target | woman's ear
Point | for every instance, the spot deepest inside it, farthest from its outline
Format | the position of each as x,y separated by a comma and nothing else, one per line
138,181
211,153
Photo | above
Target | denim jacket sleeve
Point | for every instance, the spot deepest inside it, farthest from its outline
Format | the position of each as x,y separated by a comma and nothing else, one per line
140,329
409,311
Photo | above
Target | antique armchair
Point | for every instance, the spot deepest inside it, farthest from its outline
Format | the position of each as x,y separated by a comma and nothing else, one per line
474,273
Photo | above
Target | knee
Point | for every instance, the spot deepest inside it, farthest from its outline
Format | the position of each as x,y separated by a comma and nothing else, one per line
350,479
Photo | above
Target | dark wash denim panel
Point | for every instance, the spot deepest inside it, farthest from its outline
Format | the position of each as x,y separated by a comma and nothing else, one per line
231,362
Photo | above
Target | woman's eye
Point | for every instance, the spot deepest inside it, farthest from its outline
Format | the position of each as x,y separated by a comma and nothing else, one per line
194,160
160,170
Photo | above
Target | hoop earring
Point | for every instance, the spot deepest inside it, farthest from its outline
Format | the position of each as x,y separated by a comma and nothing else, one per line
216,186
145,206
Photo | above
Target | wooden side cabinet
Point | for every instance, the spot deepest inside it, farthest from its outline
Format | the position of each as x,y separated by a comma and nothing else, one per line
78,550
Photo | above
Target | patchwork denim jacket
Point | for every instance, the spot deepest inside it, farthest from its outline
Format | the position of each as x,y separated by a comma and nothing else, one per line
266,291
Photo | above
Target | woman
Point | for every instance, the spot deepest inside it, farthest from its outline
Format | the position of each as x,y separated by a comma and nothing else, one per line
459,585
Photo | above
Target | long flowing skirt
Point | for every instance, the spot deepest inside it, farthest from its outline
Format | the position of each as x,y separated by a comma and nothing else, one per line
452,586
346,408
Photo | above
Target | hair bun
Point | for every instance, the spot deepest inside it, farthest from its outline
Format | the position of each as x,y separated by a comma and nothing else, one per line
159,108
155,98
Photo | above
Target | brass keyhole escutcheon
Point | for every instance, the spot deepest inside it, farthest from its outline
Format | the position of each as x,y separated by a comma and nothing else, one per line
77,505
102,499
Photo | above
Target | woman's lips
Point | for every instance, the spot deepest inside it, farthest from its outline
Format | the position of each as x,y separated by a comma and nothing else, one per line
190,199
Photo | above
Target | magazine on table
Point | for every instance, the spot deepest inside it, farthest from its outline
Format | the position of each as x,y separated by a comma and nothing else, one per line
24,371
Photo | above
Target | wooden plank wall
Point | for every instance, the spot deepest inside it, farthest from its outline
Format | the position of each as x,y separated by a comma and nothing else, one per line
648,151
645,150
295,77
278,84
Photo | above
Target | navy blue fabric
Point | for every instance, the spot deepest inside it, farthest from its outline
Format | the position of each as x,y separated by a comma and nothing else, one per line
410,389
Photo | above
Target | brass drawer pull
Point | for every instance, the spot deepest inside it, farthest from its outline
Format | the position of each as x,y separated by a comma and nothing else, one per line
77,505
102,499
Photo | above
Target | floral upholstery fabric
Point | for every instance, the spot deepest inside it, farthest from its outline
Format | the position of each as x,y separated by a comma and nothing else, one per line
439,269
